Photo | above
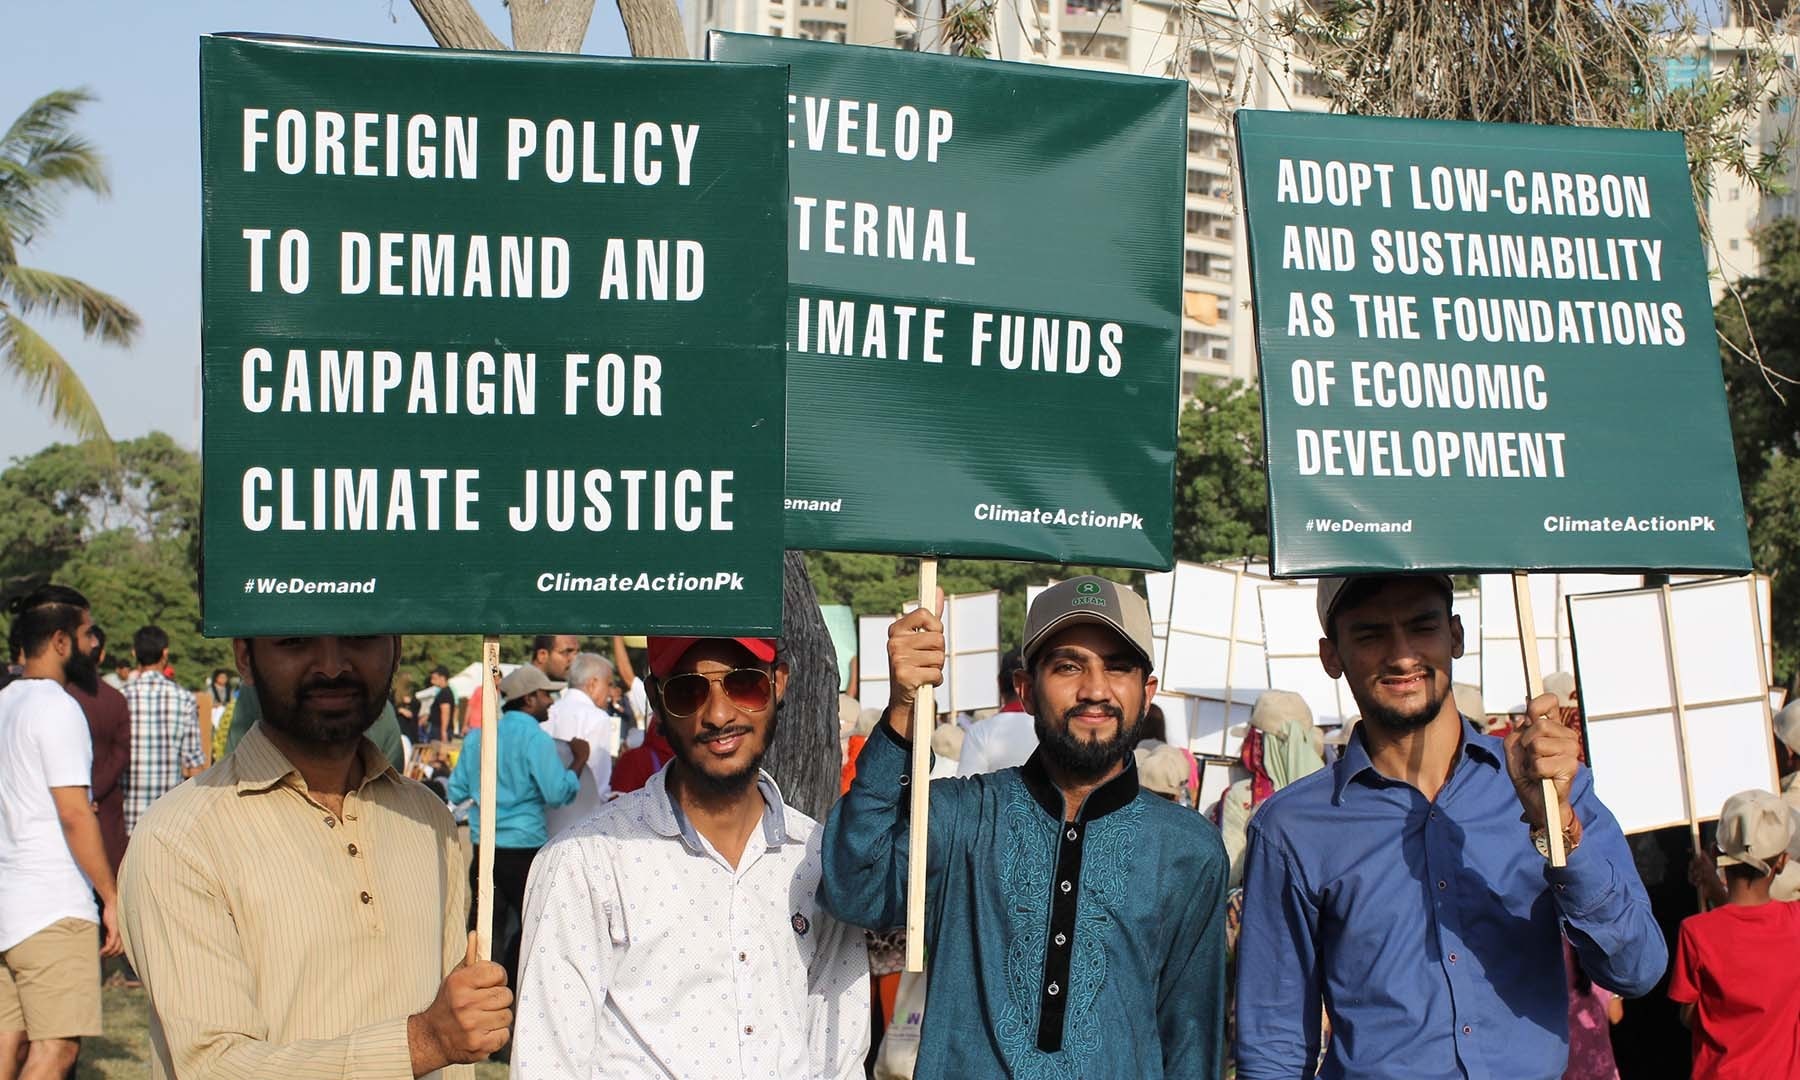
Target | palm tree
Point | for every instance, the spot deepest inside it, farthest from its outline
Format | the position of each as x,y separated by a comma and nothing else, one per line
40,159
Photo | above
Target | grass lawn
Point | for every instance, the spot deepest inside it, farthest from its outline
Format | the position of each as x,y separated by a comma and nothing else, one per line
123,1053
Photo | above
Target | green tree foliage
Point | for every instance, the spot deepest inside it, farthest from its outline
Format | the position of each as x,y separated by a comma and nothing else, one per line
41,159
1765,421
1221,492
120,524
1601,64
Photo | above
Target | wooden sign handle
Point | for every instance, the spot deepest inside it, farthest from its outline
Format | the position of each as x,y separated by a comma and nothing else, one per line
1534,685
924,718
490,776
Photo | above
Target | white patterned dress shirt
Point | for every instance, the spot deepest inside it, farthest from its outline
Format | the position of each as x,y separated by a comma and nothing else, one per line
647,956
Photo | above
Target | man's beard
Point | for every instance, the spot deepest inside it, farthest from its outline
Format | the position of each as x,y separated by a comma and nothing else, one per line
1087,757
1399,723
705,783
82,670
295,719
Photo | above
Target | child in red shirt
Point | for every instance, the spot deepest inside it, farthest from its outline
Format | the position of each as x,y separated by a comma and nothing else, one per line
1735,976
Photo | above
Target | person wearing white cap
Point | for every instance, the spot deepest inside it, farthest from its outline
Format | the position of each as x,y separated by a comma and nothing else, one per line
1735,974
1787,751
531,779
1074,920
1408,888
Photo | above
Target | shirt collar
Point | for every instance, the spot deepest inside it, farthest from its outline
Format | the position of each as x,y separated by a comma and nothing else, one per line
1103,800
665,818
260,765
1355,760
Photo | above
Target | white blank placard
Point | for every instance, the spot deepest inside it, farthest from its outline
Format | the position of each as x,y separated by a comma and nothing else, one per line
1717,646
1177,718
1291,635
1213,650
1623,661
973,678
1502,664
872,663
1637,771
1723,757
1622,642
1159,589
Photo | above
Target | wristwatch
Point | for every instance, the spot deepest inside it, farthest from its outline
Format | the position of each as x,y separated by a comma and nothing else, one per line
1571,836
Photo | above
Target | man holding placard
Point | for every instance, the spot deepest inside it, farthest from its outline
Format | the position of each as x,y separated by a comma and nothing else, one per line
1076,921
298,909
1408,888
676,932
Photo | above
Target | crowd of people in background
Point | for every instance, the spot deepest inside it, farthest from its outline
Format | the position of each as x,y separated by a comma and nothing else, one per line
1370,901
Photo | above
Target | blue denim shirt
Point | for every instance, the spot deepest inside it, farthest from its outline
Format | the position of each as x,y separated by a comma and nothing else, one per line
1429,930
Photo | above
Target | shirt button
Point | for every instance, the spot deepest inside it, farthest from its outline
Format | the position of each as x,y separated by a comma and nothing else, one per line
749,1029
1065,886
743,957
367,899
1062,939
1467,1030
1453,958
353,851
1071,834
331,823
1053,990
1440,884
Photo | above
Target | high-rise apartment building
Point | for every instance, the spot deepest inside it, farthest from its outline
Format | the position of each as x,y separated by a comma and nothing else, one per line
1200,42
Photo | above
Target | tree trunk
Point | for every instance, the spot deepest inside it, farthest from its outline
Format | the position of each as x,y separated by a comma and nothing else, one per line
804,759
550,25
454,25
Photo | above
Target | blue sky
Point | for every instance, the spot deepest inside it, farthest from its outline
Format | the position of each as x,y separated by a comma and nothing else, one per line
143,243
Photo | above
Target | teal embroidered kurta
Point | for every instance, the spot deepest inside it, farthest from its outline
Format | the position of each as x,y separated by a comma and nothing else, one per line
1074,950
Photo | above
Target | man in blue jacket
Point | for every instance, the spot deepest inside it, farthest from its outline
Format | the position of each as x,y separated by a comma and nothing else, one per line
1074,922
1408,889
531,777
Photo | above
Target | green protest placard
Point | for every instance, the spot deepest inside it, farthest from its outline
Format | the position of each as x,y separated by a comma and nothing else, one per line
492,342
1485,346
984,318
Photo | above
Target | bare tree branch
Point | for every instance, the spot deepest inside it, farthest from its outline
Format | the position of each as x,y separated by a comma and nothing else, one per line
653,27
454,25
550,25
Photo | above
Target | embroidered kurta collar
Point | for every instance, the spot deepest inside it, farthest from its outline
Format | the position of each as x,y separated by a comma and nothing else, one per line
1115,794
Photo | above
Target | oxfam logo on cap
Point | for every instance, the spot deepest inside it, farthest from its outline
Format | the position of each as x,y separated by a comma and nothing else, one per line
1088,595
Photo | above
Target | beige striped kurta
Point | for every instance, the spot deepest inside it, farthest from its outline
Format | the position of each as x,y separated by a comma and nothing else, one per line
278,942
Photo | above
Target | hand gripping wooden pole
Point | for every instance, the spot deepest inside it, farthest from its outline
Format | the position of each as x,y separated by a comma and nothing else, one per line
490,775
924,717
1534,685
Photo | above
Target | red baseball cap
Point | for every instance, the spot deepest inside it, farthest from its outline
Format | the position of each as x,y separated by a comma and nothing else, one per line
666,652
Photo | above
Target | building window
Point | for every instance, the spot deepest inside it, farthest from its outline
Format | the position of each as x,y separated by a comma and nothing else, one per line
1312,84
1732,244
1195,262
1190,342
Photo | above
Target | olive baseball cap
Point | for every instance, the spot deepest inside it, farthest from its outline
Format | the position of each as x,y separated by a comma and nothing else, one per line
523,680
1091,600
